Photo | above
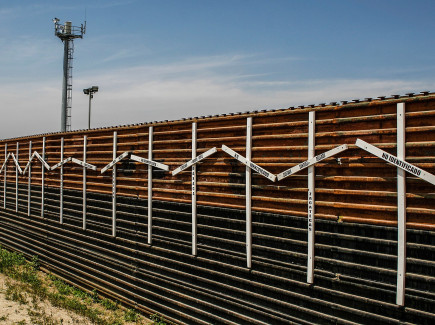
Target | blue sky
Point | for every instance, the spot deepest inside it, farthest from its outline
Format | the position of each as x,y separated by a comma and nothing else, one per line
158,60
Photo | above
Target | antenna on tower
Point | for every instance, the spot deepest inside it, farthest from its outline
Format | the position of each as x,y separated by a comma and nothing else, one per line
67,33
84,30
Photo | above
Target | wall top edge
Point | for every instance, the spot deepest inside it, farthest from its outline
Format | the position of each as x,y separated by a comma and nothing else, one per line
381,100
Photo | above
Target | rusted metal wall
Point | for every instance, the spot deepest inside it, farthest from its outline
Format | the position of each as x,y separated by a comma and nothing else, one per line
354,278
356,211
361,189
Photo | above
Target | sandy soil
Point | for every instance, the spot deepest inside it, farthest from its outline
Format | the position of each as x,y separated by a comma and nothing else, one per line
12,312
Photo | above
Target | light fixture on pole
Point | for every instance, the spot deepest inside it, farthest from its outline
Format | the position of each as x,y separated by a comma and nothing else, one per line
90,91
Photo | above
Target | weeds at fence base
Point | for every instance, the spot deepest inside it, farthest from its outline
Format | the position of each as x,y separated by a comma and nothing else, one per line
157,319
29,286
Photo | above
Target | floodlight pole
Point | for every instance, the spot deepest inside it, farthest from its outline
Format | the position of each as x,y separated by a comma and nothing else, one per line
89,117
90,91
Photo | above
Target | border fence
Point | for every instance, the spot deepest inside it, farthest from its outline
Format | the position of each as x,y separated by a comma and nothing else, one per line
317,214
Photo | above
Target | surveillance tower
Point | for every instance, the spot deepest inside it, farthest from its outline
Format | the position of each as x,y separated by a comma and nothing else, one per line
67,33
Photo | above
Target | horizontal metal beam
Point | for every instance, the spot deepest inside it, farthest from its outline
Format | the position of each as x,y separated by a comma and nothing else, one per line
83,164
194,161
76,161
149,162
312,161
61,163
249,163
410,168
115,161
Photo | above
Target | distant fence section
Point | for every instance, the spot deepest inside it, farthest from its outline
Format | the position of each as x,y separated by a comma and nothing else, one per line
319,214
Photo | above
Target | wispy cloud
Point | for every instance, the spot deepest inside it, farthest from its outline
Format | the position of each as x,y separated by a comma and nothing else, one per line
26,48
193,65
15,10
192,87
217,66
36,8
196,87
5,11
122,54
110,4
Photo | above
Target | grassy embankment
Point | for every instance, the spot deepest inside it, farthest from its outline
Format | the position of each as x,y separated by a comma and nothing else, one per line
28,286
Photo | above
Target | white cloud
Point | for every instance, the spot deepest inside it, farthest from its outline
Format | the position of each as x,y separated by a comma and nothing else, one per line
129,96
26,50
181,69
193,87
29,109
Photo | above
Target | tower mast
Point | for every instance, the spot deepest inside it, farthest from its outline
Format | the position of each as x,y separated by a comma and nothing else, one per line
67,33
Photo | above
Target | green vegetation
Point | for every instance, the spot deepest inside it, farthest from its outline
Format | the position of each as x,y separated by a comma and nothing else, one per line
157,319
28,286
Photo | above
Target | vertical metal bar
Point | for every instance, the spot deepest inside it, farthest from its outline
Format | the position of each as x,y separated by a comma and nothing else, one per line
311,197
16,180
85,143
115,140
194,219
29,180
401,207
4,184
248,194
42,178
150,185
61,182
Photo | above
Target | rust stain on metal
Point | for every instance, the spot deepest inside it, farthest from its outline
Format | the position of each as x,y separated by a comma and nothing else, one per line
359,188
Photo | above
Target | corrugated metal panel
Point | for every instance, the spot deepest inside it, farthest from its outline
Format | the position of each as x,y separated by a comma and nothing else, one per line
354,271
356,217
361,188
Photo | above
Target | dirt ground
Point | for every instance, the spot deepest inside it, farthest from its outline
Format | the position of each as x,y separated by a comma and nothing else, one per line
12,312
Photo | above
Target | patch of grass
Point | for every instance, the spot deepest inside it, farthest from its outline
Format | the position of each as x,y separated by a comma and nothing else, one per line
131,315
16,292
15,266
109,304
62,287
40,317
158,319
32,285
100,311
94,315
75,304
8,260
21,322
4,318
